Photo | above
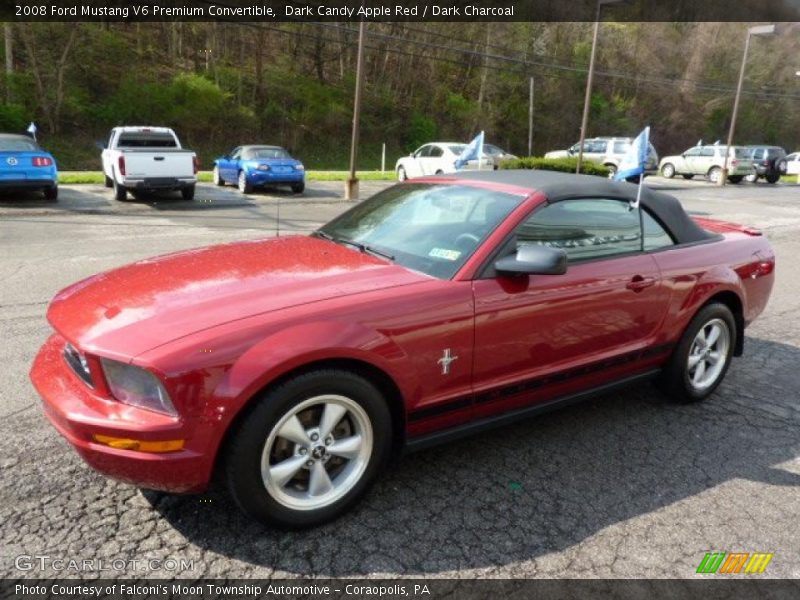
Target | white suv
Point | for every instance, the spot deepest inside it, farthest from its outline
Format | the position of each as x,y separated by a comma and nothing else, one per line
708,161
607,151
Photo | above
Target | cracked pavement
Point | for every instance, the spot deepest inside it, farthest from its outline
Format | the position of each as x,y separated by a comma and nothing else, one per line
627,485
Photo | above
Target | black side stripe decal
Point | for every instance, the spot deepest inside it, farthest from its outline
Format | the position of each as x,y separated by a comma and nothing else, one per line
536,383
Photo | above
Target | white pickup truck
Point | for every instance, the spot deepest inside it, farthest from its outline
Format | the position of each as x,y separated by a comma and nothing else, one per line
148,159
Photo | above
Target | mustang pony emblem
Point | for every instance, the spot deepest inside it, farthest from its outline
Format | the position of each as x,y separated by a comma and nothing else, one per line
446,360
12,161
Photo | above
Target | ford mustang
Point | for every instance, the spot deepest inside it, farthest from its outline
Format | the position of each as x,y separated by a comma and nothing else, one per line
251,167
294,368
24,165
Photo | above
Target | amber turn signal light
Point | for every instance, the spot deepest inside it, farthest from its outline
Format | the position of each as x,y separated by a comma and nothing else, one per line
139,445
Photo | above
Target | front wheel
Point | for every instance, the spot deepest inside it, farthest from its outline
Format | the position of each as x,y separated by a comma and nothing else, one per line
703,355
668,171
401,174
108,182
244,186
309,449
612,170
299,187
773,178
751,177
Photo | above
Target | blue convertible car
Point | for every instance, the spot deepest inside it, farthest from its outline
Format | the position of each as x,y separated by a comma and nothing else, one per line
250,167
24,165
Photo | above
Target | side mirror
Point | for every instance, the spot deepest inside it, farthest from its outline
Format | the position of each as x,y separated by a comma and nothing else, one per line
100,145
533,259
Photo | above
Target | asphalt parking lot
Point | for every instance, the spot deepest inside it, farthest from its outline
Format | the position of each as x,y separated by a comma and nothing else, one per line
623,486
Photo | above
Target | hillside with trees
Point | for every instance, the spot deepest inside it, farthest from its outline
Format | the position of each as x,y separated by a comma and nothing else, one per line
222,84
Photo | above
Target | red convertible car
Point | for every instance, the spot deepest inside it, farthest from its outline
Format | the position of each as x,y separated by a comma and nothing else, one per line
295,367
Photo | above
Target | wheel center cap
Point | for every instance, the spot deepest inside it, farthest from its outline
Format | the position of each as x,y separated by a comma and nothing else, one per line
318,452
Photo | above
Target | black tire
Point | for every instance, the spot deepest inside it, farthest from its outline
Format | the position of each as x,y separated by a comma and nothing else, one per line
244,186
108,182
187,193
688,176
668,170
675,380
736,178
299,188
401,174
439,172
51,193
612,170
781,166
714,174
120,193
218,180
773,178
248,441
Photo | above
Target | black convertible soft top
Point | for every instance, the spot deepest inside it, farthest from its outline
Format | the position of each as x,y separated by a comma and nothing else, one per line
561,186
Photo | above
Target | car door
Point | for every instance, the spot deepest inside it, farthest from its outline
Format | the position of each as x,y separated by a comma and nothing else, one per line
434,162
227,168
685,164
595,150
417,162
538,337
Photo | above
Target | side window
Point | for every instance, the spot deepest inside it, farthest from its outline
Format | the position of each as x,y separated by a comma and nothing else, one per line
436,152
585,229
655,236
237,153
707,151
424,152
692,152
621,147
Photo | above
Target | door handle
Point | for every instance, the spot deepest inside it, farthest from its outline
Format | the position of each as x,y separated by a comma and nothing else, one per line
638,283
158,158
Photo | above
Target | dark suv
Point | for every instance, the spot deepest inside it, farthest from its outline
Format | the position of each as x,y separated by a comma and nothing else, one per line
766,161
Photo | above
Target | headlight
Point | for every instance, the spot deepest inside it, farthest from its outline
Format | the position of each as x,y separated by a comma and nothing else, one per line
137,387
263,167
300,167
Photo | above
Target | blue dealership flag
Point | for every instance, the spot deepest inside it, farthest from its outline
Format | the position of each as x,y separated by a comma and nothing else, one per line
473,151
635,159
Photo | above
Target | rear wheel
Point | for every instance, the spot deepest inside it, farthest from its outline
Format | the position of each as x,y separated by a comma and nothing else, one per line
244,186
714,174
108,182
120,193
216,177
703,355
187,193
668,171
751,177
309,449
51,193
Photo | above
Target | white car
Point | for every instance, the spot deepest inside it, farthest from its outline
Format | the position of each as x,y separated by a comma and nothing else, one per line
792,163
708,160
607,151
437,158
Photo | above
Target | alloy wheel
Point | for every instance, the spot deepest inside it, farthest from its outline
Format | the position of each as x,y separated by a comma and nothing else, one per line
708,354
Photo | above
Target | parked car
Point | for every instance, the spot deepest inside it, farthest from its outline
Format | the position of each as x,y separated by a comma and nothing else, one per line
25,166
148,159
295,367
607,151
437,158
708,160
251,167
766,161
790,165
497,154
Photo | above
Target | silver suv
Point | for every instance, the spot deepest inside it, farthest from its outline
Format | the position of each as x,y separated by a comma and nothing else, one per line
607,151
708,160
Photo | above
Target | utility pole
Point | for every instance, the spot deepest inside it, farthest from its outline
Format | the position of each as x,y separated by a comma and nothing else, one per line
530,120
8,35
351,186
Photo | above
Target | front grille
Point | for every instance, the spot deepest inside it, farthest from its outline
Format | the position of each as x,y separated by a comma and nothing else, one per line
78,364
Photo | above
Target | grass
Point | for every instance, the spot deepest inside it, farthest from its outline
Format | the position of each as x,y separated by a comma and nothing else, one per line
96,177
789,179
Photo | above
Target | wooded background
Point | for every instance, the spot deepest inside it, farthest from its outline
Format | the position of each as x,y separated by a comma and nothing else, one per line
224,84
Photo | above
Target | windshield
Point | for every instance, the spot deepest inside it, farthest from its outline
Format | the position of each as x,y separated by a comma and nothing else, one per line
433,229
17,145
265,152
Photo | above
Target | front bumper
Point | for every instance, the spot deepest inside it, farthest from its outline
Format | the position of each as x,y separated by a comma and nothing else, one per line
256,177
79,413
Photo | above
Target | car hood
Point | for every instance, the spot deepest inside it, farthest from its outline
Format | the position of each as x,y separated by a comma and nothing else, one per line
557,154
143,305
